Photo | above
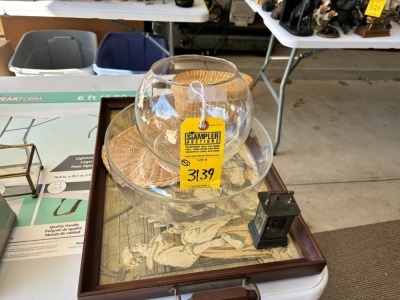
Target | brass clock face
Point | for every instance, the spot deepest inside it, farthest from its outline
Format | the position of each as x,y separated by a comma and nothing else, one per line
276,226
259,219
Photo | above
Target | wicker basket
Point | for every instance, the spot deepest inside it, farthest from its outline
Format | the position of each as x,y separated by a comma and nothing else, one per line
190,109
132,158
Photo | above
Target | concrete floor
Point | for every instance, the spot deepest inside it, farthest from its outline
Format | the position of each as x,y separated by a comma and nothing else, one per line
340,142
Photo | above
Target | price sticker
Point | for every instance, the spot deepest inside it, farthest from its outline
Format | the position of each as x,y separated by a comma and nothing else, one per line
375,8
202,151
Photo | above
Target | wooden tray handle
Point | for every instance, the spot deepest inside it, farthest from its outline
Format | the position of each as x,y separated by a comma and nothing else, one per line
226,289
236,293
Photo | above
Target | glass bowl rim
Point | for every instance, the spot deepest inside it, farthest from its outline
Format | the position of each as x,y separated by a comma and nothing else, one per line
153,194
159,77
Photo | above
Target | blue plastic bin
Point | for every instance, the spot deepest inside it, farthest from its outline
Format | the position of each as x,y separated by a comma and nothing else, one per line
122,53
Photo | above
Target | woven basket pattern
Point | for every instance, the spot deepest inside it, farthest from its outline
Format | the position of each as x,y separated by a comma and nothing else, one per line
132,158
187,109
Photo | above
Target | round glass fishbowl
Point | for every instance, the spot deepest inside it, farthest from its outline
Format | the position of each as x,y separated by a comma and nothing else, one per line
152,187
192,86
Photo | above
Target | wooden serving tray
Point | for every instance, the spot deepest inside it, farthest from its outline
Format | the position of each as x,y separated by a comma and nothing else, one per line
104,274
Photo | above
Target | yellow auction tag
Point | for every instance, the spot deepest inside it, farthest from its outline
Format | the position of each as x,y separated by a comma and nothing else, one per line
375,8
202,151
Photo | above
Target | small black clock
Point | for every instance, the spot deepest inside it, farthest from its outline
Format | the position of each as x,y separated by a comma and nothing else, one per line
273,219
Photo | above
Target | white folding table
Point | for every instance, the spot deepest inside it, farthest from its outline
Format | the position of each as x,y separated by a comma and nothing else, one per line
57,277
314,44
157,11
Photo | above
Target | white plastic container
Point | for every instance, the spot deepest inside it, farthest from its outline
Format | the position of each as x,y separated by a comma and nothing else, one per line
54,52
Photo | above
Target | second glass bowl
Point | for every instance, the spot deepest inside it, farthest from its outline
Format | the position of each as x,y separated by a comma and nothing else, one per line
152,187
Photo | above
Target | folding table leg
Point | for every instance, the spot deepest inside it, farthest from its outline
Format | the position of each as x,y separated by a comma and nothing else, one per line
280,96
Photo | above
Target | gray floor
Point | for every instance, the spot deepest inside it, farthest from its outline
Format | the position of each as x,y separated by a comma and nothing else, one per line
340,143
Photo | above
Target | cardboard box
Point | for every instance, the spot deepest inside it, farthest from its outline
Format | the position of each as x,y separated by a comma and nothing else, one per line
15,27
6,53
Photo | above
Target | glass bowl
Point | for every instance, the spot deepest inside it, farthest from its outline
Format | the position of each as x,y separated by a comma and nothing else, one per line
192,86
152,187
